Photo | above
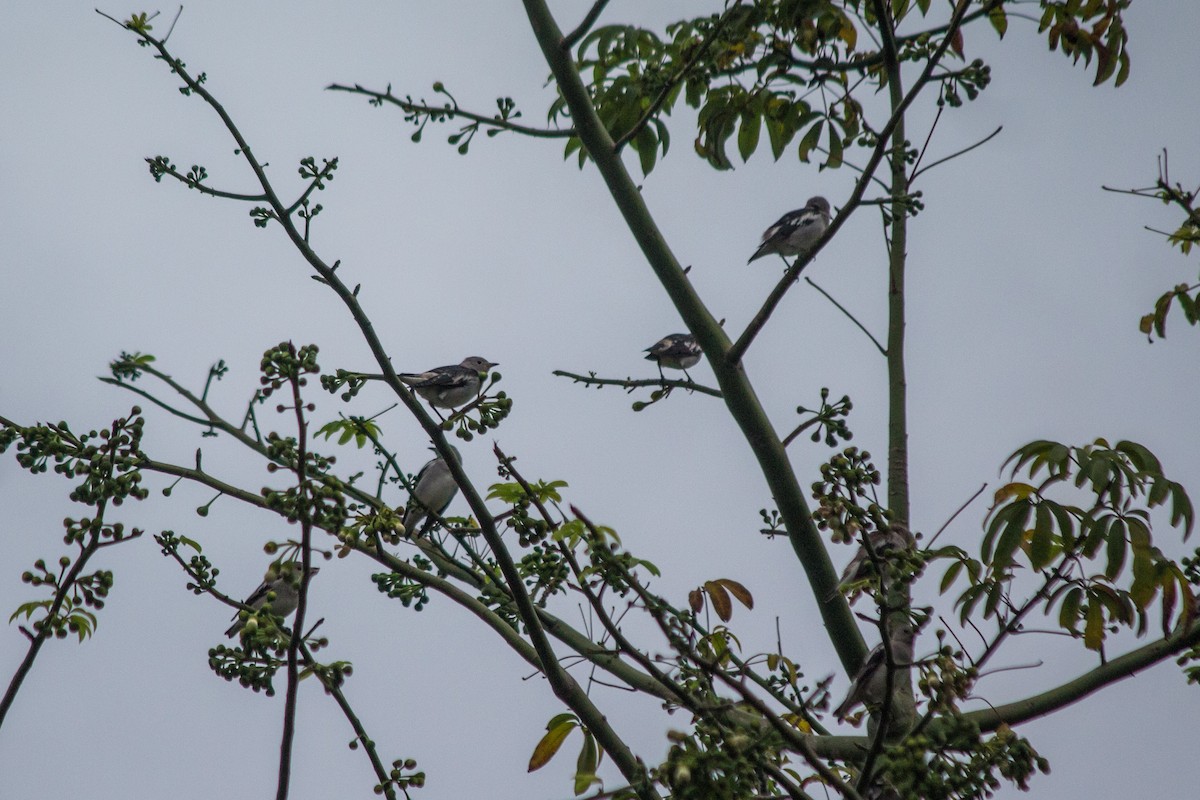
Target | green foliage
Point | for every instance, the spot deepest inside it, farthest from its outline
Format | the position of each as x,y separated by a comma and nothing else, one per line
105,463
717,762
1155,323
952,759
359,429
557,730
1106,39
1062,540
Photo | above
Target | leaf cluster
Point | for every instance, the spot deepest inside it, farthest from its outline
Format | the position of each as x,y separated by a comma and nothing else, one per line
1063,541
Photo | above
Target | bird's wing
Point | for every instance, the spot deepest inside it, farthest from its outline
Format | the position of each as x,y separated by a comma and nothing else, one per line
445,377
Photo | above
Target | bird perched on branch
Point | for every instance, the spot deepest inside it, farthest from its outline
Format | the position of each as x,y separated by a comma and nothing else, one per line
676,351
450,386
796,231
870,682
280,587
885,545
432,490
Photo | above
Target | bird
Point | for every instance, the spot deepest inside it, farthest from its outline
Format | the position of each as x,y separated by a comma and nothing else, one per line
796,231
432,490
870,682
450,386
283,580
675,351
884,543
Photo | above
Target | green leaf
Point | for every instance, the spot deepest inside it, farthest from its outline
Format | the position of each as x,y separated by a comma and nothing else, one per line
748,134
999,19
585,766
190,543
1068,615
810,140
835,149
646,144
1041,548
778,133
1116,549
28,608
1093,632
951,574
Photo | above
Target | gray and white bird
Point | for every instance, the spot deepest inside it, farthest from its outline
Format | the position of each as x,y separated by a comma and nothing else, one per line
870,682
282,586
676,351
433,489
450,386
796,231
885,544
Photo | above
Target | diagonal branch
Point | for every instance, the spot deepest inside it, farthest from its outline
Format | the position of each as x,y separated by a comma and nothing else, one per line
731,377
882,350
589,19
883,144
1117,669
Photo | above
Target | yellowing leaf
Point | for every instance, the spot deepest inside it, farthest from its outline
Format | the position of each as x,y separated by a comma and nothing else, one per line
720,600
739,591
1008,491
550,743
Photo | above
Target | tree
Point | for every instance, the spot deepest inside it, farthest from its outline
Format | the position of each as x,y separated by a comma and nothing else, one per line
738,734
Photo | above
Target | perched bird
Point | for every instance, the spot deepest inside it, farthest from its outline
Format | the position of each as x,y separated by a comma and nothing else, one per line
677,351
884,543
281,580
452,386
433,489
870,683
796,231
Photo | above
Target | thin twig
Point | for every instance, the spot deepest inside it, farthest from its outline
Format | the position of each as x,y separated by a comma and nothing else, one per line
882,350
589,19
632,383
665,92
760,319
980,143
961,508
451,112
303,513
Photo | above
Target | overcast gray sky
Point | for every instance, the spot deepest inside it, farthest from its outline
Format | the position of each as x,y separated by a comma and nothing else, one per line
1026,285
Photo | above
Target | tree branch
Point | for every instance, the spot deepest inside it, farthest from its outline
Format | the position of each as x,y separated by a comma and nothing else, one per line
734,385
882,350
633,383
452,111
589,19
1116,669
760,319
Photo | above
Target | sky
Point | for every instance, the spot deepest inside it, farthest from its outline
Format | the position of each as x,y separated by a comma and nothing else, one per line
1026,284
